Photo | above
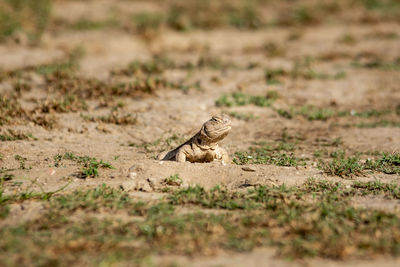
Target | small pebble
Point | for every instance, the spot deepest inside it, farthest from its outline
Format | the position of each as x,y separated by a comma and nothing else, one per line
132,175
248,169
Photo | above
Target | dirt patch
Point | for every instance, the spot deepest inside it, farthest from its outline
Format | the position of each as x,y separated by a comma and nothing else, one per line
312,90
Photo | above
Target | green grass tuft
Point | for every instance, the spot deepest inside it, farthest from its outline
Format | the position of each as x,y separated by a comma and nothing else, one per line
243,116
84,24
352,166
387,163
22,161
173,180
309,112
378,124
342,166
30,17
265,153
90,166
13,136
241,99
314,219
378,64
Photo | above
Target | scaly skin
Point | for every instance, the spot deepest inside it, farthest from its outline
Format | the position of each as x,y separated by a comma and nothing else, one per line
203,146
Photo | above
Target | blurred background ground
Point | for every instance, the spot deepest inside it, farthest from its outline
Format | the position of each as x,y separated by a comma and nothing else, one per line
312,87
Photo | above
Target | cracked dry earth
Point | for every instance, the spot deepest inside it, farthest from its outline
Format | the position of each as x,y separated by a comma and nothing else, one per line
166,117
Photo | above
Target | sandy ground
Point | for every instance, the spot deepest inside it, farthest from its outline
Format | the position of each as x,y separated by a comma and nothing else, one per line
173,112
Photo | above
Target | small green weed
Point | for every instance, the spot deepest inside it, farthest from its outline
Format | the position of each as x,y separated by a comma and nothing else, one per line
348,166
103,197
209,61
246,17
342,166
147,23
272,49
315,113
206,15
265,153
115,117
378,64
22,162
298,15
28,194
337,141
241,99
9,25
302,68
13,136
377,124
69,64
315,219
148,146
288,114
10,109
84,24
387,163
320,153
90,166
309,112
57,160
272,76
382,35
364,114
377,187
67,103
31,17
161,144
157,65
347,39
173,180
61,68
214,198
243,116
385,6
4,211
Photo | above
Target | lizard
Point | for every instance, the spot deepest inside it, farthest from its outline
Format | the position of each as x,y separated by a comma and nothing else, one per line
203,146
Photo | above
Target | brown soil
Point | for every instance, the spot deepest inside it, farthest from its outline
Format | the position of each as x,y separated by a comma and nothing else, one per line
170,112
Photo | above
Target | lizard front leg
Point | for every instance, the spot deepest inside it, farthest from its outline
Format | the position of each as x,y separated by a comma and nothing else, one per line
222,155
181,155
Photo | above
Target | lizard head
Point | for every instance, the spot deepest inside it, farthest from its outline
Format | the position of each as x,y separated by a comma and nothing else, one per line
216,128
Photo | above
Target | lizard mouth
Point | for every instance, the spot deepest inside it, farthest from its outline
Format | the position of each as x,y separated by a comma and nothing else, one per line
220,132
224,129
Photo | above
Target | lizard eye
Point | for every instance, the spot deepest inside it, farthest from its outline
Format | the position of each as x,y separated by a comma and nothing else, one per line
199,141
